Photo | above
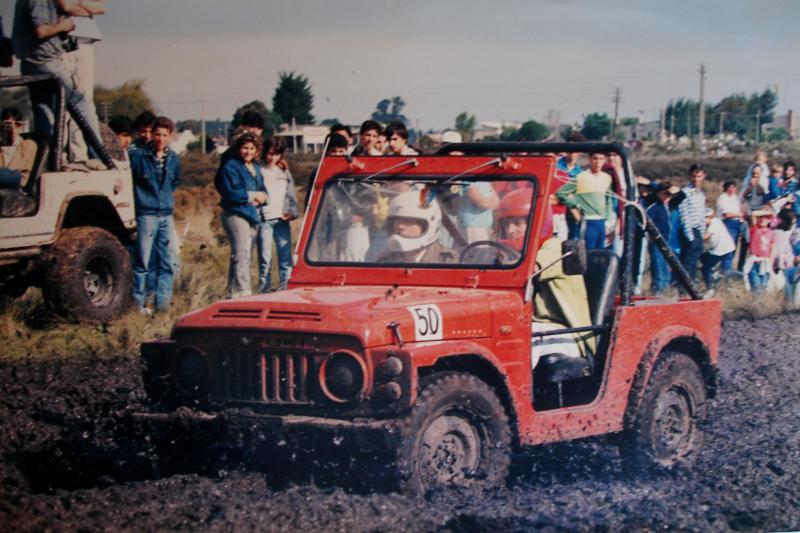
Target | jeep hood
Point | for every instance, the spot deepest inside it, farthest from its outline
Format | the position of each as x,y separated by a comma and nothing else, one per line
373,314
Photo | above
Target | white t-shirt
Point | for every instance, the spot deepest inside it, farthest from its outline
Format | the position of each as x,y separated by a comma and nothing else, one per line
277,184
86,30
727,203
720,241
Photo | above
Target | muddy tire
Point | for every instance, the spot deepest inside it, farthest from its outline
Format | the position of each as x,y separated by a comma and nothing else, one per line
457,435
667,428
87,275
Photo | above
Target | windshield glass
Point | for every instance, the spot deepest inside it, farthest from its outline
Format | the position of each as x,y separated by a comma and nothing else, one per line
422,222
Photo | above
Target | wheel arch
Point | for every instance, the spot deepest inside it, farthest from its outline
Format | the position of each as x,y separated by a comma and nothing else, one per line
484,370
94,210
686,343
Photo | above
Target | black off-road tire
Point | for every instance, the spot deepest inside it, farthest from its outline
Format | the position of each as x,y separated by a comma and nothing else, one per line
87,275
457,435
667,429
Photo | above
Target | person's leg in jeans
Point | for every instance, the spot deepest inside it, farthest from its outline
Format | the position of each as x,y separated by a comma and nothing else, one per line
659,270
42,100
240,235
691,253
264,237
283,244
9,179
756,278
709,261
164,274
733,227
146,228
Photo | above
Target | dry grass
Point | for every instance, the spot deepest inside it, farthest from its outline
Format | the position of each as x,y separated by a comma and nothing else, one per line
28,329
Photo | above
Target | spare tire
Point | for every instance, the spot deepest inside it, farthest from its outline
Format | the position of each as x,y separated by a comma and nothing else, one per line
87,275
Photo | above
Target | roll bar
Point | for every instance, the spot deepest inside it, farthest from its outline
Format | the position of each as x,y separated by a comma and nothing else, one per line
631,213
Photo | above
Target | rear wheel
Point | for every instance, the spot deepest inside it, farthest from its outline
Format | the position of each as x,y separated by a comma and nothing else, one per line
667,429
457,435
88,275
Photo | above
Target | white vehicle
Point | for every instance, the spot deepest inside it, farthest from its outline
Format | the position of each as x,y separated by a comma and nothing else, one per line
66,231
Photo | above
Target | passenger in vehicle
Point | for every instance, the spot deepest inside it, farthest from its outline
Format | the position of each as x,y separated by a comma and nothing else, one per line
476,212
413,226
560,301
512,218
16,154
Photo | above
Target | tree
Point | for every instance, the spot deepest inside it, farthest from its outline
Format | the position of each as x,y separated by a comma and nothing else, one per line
465,125
390,110
529,131
329,122
293,98
271,120
128,99
777,135
596,126
628,121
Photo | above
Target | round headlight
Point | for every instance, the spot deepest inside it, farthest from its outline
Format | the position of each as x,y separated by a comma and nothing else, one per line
192,371
343,376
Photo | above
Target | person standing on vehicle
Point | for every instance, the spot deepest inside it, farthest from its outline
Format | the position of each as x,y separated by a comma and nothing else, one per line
367,137
156,174
397,138
276,215
39,43
241,189
588,197
692,212
80,63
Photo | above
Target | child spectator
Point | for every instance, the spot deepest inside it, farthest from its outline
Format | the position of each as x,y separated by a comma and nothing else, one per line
367,137
762,249
241,189
775,183
345,132
659,213
397,136
123,129
280,209
143,126
791,188
784,253
792,273
759,162
720,249
588,199
729,210
156,174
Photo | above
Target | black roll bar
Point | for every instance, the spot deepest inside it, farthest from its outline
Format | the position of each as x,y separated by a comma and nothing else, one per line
631,212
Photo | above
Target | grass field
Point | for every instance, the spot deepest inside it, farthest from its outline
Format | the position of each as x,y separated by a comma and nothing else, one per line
29,329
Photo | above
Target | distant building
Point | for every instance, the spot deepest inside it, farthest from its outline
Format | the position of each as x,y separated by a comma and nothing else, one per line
787,122
493,129
304,138
644,131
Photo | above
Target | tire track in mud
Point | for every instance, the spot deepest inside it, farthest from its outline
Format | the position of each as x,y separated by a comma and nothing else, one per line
70,460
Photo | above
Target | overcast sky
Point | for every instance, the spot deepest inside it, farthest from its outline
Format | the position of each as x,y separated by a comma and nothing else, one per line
502,60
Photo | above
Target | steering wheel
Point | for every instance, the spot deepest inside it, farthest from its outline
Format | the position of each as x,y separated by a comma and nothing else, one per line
502,251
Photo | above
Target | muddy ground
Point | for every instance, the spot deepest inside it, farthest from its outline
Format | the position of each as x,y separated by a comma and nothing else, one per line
69,460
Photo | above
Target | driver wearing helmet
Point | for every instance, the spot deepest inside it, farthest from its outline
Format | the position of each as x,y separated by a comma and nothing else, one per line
512,218
413,224
560,301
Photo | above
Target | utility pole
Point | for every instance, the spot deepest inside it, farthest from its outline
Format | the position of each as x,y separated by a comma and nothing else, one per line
702,114
758,125
672,124
203,122
689,122
663,124
104,106
721,123
616,99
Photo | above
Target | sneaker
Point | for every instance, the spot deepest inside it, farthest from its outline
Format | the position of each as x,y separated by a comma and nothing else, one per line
144,311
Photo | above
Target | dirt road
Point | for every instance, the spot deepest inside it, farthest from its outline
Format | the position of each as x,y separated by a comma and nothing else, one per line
69,461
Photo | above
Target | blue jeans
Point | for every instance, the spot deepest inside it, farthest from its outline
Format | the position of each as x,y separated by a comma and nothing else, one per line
659,270
757,278
792,276
175,260
691,251
154,235
9,179
42,97
595,235
709,261
279,231
734,228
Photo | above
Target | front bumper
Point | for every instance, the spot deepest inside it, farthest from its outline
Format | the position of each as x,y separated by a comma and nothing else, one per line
293,433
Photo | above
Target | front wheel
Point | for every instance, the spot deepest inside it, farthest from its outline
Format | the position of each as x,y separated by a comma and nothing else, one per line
457,435
667,429
88,275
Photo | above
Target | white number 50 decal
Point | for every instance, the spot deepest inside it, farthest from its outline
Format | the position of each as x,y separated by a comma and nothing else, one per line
427,322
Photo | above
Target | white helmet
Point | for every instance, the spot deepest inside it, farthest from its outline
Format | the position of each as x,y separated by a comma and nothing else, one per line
409,204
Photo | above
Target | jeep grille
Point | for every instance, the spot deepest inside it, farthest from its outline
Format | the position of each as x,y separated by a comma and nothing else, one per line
272,377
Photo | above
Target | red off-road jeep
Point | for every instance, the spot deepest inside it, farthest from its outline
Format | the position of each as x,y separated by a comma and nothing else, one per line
377,345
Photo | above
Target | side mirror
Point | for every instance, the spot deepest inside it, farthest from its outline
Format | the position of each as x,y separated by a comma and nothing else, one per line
574,254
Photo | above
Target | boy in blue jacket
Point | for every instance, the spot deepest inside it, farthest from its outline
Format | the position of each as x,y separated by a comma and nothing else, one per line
156,174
